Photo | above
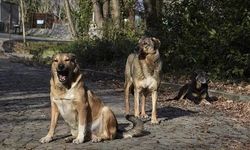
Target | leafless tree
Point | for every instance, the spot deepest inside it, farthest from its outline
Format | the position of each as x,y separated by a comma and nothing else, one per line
68,14
153,10
97,13
23,20
106,9
102,12
116,11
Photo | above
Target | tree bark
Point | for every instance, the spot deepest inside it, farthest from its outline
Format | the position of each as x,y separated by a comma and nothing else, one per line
97,13
105,9
153,12
116,12
150,12
159,4
131,18
68,14
23,20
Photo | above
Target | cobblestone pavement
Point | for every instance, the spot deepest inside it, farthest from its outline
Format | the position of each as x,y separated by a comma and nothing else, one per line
25,117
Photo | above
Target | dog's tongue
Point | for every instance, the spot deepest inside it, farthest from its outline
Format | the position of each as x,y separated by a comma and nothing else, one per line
62,78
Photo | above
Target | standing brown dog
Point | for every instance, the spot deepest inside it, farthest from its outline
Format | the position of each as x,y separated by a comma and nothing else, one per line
142,75
86,115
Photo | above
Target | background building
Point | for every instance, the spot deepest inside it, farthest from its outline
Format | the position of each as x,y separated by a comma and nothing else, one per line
9,16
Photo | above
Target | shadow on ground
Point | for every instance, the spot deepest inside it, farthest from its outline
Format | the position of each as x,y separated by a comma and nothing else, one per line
24,104
168,113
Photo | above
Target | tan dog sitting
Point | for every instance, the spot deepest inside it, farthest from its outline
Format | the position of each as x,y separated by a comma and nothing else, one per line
142,76
85,114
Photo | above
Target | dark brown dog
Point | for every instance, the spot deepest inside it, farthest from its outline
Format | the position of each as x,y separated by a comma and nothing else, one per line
85,113
142,75
197,89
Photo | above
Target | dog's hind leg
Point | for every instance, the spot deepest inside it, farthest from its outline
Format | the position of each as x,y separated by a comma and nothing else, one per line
108,126
182,93
72,137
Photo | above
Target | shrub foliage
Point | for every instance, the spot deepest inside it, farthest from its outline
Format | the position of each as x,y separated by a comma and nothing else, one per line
211,35
195,34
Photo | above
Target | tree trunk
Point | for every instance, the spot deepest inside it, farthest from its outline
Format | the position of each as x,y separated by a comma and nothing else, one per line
116,12
97,13
105,9
153,11
131,18
150,13
68,14
23,20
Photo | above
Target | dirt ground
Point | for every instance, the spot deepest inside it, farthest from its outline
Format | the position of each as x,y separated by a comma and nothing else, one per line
25,116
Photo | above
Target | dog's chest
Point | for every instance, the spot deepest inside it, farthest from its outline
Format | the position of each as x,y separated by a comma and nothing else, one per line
148,83
66,107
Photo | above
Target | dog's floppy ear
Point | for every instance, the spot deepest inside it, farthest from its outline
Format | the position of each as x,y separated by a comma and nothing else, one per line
141,43
141,40
72,57
157,42
53,58
194,75
74,60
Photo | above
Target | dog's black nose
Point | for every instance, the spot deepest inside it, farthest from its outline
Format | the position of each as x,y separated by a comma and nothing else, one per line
60,66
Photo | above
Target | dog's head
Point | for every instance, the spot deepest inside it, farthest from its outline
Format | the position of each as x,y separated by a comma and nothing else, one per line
200,77
149,45
64,67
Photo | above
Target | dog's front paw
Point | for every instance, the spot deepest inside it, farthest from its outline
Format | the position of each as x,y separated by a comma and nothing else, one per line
46,139
137,115
155,122
78,140
205,102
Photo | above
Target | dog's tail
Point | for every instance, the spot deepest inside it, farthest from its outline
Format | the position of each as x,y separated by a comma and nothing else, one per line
135,131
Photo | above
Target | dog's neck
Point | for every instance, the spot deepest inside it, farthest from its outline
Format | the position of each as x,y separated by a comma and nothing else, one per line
151,61
149,58
152,58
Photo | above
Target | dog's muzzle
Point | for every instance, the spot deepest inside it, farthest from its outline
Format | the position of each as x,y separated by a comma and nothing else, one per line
62,73
151,51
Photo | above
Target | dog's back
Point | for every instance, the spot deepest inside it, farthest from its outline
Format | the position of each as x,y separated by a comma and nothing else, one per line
128,68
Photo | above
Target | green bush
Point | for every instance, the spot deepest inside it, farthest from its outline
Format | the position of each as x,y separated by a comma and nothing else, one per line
89,52
211,35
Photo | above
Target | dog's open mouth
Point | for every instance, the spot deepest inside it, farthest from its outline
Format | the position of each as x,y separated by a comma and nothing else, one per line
63,75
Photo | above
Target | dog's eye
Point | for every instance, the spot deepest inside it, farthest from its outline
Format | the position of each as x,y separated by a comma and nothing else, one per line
67,59
55,60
